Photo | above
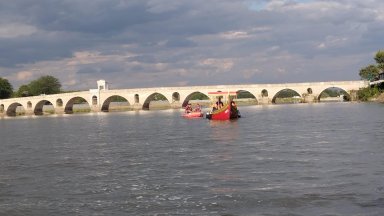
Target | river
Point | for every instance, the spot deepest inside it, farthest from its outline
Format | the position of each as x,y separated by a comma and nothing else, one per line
302,159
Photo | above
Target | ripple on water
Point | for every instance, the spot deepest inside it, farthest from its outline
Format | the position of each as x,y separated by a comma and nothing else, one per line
277,160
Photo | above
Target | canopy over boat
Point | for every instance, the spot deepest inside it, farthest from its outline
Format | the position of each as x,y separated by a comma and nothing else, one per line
221,93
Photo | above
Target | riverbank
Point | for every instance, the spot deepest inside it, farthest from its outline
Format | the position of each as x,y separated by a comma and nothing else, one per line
376,99
380,98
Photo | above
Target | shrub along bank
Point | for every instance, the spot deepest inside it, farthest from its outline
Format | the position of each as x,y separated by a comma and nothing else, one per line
375,93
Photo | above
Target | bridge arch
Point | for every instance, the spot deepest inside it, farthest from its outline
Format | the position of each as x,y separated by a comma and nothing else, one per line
194,96
287,95
246,97
38,110
156,97
13,108
76,100
114,98
335,94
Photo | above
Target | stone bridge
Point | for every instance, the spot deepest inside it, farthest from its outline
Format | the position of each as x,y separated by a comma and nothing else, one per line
139,98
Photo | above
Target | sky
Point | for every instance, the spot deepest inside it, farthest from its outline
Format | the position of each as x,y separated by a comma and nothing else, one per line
160,43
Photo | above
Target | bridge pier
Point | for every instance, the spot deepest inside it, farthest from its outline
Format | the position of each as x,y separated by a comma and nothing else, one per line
59,110
310,98
137,106
176,105
95,108
264,101
2,111
29,112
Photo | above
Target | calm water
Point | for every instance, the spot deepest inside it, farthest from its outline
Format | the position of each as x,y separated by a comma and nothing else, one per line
320,159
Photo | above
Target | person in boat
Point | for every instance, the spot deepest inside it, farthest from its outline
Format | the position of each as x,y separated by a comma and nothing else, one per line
219,104
234,110
188,108
233,104
197,108
214,107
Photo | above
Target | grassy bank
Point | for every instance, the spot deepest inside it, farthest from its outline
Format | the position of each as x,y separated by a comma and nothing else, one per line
374,93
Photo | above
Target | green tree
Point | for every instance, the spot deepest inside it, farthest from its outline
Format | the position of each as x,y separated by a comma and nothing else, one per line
44,85
381,67
369,72
379,57
365,94
23,91
6,89
372,71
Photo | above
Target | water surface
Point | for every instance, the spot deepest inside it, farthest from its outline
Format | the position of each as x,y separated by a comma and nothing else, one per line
302,159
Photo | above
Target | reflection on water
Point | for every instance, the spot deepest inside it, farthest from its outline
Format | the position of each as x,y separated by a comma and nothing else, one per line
224,130
320,159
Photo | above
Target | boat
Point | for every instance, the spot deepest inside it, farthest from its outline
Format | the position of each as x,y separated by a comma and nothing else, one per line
191,112
228,109
193,115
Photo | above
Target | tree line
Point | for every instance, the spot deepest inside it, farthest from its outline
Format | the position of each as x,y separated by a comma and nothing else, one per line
43,85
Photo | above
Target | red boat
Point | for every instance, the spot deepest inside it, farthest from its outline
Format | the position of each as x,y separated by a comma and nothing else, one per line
193,115
227,109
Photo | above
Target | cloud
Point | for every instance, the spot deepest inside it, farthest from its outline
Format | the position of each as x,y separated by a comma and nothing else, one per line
147,43
180,43
332,41
235,35
219,64
14,30
24,75
158,6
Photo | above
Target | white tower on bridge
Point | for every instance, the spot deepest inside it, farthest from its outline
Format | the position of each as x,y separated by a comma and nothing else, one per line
102,85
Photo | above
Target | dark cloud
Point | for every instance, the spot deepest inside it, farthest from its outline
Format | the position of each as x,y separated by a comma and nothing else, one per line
38,47
195,42
180,43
